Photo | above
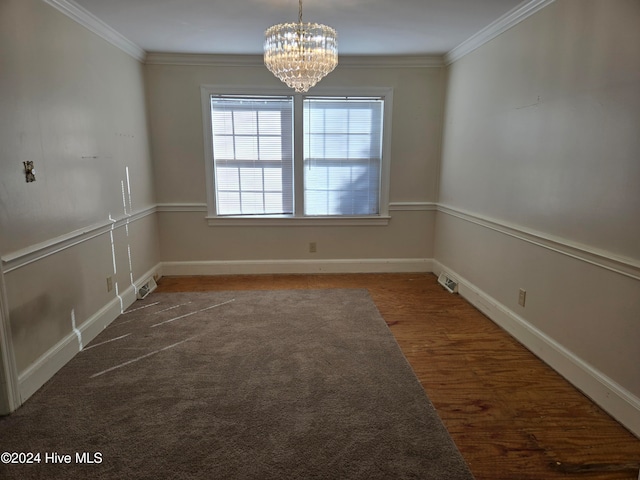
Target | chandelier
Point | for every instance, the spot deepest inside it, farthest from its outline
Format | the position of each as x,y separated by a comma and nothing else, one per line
300,54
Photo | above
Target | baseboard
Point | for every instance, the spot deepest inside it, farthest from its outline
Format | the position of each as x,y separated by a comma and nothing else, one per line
43,369
605,392
257,267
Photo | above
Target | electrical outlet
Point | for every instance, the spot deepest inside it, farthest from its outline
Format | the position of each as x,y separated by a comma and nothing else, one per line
522,297
312,247
109,284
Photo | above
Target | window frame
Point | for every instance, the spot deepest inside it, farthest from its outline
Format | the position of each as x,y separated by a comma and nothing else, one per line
298,217
286,139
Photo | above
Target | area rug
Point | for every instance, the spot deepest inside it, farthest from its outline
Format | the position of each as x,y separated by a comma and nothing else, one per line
297,384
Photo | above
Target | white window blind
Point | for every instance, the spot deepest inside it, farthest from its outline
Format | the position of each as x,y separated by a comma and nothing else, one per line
342,155
252,154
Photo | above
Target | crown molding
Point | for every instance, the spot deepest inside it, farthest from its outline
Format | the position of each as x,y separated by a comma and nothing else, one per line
346,61
203,59
499,26
94,24
97,26
391,61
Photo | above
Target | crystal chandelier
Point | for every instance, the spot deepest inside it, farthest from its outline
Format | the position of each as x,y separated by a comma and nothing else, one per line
300,54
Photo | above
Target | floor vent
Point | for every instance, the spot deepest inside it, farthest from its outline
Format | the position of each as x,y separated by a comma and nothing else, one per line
448,283
147,288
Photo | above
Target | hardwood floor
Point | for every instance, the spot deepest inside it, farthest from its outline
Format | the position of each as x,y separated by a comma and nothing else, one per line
511,416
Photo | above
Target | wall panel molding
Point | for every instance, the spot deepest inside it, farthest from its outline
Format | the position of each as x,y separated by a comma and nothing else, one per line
33,253
600,258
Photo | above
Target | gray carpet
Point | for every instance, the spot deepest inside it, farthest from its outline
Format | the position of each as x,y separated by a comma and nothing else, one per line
298,384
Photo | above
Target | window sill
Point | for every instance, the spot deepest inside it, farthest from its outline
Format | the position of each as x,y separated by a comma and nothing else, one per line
291,221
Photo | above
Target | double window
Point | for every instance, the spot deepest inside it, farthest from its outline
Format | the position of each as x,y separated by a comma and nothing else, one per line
296,156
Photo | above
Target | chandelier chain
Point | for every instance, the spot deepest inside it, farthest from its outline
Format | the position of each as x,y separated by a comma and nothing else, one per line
300,11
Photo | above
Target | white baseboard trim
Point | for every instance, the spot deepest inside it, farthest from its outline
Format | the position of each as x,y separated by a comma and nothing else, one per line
605,392
43,369
257,267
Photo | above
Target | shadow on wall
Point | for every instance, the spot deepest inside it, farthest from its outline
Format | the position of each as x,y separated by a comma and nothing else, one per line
44,313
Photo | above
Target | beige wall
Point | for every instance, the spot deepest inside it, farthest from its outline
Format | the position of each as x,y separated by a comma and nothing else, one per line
541,171
75,106
538,185
548,114
173,92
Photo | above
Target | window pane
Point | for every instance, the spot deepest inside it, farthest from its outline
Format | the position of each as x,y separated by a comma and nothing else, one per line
253,154
228,203
316,177
272,202
245,122
222,122
336,120
339,178
272,180
246,148
336,146
343,156
223,147
269,123
251,179
360,121
270,148
252,203
315,202
227,178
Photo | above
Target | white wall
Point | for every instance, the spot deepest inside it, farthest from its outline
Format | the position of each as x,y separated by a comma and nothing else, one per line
540,190
75,106
177,143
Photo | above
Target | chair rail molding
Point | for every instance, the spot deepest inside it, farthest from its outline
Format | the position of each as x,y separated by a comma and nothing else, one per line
33,253
601,258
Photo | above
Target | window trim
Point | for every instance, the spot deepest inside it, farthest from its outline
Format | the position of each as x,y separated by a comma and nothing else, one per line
298,218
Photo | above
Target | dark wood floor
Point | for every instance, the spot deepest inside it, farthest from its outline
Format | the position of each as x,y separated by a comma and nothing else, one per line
511,416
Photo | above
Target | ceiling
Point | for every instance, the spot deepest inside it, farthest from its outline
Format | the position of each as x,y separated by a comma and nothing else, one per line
365,27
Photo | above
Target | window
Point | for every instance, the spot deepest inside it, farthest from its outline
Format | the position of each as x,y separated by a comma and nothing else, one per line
252,154
342,155
296,157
